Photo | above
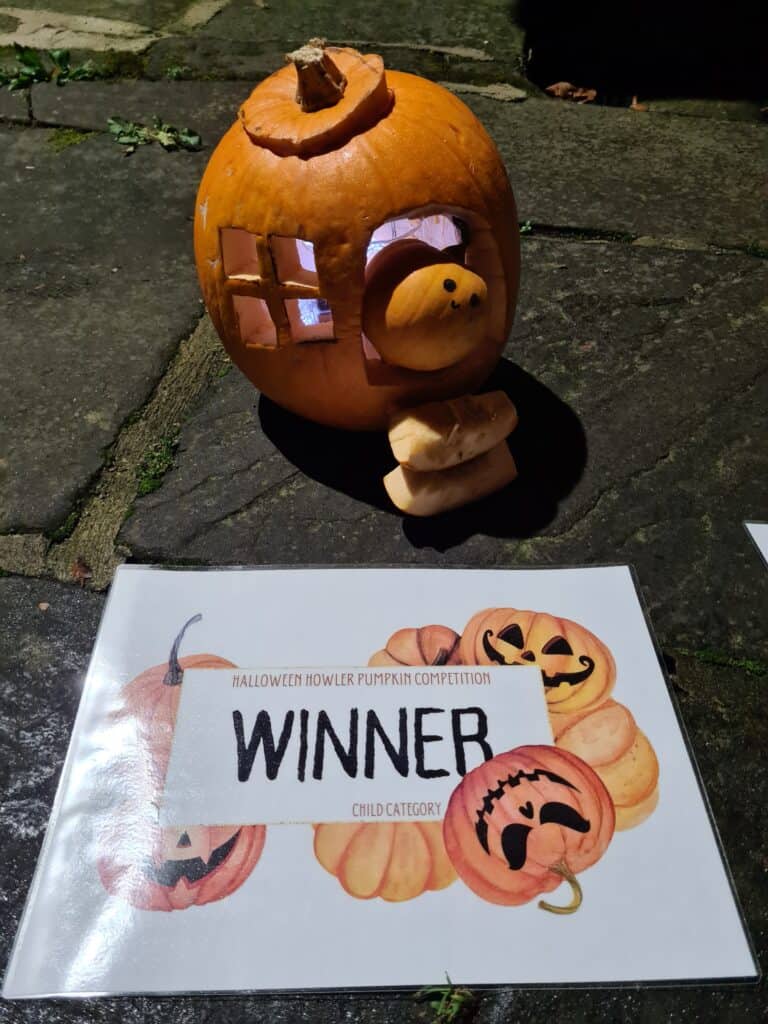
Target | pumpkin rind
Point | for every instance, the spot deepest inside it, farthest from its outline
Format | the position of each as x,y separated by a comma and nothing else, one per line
549,845
536,629
428,153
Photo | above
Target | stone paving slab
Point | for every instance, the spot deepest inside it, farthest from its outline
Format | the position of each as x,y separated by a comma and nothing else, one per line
592,168
13,106
98,287
207,107
640,378
478,42
43,657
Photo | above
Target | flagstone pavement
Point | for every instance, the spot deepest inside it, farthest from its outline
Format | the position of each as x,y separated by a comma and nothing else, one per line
638,361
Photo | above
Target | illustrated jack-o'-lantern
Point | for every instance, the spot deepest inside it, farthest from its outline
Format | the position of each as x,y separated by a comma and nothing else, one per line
332,160
156,868
577,668
524,821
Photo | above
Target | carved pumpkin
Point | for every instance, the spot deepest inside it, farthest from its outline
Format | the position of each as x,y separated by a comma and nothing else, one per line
577,668
429,645
157,868
331,159
608,739
395,861
519,824
421,310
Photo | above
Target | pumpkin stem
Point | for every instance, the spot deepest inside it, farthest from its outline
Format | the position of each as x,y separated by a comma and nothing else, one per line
320,83
175,672
562,869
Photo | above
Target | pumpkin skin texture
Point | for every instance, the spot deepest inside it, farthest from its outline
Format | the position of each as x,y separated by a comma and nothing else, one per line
608,739
577,668
395,861
429,645
520,823
140,860
421,310
406,147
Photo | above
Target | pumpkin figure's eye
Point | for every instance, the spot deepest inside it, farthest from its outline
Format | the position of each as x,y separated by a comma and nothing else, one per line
449,284
512,635
557,645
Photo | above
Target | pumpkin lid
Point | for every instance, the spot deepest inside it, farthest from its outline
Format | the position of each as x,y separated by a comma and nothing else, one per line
319,102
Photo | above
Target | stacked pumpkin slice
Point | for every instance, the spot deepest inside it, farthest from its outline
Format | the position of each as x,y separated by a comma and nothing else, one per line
451,453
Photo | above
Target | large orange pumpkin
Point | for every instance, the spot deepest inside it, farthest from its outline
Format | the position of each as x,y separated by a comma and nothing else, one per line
330,160
577,668
157,868
608,739
395,861
520,823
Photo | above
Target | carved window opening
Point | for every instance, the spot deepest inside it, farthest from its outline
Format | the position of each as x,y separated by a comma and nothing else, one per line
275,289
257,328
440,230
239,253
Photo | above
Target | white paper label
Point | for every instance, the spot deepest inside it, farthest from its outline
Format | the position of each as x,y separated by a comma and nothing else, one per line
269,746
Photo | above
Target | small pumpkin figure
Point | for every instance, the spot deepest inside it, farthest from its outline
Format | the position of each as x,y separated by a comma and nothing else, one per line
522,822
422,310
577,668
428,645
157,868
395,861
332,159
608,739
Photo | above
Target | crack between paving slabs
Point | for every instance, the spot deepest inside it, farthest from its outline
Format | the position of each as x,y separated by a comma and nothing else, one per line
192,365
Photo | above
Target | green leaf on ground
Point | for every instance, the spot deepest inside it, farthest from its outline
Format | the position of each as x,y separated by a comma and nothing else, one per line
449,1003
53,66
132,134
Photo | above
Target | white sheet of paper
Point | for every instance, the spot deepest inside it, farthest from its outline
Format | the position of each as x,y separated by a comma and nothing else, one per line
759,534
657,905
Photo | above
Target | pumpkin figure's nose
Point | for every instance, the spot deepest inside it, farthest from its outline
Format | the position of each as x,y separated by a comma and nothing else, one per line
420,310
528,656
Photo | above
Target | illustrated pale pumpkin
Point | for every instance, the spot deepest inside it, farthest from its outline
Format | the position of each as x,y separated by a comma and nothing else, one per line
577,668
157,868
427,645
522,822
608,739
395,861
331,159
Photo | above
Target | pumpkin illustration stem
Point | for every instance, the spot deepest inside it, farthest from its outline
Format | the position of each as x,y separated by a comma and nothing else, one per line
565,872
320,83
175,672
